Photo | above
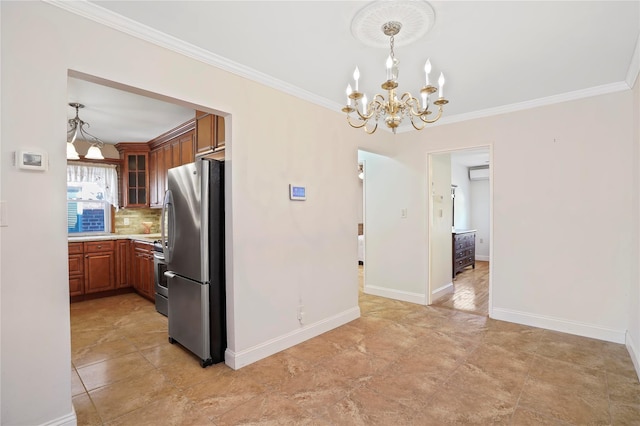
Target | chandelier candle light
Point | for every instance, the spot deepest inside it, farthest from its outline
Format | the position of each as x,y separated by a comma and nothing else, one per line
393,109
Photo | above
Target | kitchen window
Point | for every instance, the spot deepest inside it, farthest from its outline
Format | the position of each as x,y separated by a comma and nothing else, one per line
91,191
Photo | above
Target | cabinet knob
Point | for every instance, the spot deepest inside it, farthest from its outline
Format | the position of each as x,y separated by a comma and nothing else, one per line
99,247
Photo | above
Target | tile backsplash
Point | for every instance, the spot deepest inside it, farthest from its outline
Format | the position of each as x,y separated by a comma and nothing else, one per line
135,217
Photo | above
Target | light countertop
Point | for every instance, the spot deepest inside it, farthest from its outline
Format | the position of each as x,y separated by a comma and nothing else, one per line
105,237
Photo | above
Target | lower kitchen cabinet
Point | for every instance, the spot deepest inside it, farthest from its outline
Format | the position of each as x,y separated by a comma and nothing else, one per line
99,266
76,269
106,268
142,269
123,259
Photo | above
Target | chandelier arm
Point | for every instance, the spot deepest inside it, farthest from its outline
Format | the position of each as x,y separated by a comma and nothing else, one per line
418,127
436,118
373,130
378,98
414,105
355,126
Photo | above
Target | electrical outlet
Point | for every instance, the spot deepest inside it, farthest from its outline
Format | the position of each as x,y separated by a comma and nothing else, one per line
126,220
301,314
481,240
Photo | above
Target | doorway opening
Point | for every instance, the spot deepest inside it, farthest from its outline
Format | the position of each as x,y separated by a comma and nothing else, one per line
460,229
163,131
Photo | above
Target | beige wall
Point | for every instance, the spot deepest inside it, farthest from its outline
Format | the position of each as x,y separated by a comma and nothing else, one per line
280,254
440,214
561,210
563,219
633,336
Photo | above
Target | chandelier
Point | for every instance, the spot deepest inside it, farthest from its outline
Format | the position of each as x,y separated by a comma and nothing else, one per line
392,108
77,131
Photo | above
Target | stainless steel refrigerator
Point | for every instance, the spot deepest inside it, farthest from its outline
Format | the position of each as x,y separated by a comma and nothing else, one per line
192,227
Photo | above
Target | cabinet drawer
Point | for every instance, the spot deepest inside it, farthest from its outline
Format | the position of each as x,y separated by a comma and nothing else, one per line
462,254
99,246
143,246
75,248
76,264
76,286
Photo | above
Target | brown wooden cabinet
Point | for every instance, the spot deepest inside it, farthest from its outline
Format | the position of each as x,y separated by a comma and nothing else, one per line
182,150
123,260
135,174
172,149
153,178
76,269
99,266
210,133
464,250
145,165
142,269
108,267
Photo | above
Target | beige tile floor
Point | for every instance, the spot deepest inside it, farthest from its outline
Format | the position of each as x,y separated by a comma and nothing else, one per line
399,364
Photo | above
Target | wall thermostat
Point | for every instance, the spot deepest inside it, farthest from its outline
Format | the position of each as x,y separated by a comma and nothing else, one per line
297,192
31,160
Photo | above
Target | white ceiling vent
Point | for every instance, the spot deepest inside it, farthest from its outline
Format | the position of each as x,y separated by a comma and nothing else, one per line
479,173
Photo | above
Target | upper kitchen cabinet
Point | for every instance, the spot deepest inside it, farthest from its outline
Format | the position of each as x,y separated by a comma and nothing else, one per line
182,149
210,133
171,149
135,174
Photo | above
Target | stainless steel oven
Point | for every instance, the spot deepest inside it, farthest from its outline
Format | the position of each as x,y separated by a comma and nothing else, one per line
162,291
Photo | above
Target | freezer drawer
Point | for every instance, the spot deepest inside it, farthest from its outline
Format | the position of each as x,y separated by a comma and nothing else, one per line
189,316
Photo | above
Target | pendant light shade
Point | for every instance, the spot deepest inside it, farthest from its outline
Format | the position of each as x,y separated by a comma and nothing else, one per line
72,154
94,153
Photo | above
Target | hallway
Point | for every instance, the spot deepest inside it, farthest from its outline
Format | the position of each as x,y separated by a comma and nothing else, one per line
471,291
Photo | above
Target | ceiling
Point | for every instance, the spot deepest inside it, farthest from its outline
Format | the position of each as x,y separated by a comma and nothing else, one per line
494,55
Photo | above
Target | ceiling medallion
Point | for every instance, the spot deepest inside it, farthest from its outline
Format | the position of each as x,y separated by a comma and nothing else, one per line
417,18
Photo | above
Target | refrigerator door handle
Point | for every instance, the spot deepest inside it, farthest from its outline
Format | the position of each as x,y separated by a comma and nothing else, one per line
167,219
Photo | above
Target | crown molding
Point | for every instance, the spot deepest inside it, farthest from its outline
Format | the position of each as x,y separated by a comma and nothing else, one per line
120,23
634,66
535,103
136,29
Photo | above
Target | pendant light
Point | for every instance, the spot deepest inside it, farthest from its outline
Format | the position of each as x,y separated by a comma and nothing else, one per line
77,130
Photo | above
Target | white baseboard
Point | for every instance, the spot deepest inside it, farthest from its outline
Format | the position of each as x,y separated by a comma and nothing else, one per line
634,353
404,296
255,353
439,292
559,324
66,420
482,258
